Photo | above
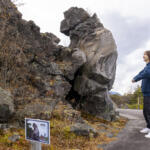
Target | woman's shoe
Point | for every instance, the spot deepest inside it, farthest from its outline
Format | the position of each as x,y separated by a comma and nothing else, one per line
147,135
145,130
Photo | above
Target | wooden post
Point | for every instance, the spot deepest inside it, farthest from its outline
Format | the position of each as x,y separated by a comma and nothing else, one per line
35,146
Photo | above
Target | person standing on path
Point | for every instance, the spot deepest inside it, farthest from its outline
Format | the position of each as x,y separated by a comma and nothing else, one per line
144,75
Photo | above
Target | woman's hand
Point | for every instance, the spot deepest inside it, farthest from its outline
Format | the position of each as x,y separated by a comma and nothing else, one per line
133,80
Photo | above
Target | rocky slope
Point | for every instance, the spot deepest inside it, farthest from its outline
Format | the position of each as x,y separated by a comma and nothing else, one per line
36,72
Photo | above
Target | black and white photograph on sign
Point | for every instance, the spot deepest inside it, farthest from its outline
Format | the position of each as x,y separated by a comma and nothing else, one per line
37,130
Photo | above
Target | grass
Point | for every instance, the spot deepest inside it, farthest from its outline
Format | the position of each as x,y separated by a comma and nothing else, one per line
62,138
135,106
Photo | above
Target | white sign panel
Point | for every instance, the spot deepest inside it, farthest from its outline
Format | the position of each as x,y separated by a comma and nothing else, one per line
37,130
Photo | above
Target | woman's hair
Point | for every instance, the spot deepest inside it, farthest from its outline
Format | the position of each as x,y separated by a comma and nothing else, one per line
148,53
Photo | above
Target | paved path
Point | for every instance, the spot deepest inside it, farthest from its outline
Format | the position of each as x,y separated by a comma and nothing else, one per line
130,138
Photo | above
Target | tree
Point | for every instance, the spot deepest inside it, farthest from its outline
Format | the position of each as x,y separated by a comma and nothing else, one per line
130,99
136,94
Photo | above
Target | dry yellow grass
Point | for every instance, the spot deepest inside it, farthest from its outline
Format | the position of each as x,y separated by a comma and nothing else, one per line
62,139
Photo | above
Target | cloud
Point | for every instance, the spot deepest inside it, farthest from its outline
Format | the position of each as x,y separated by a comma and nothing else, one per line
116,15
128,20
131,65
132,37
130,33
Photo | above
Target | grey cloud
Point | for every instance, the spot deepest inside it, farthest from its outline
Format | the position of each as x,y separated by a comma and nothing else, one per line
128,35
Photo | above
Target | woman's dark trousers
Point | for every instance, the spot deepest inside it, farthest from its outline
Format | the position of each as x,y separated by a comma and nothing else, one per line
146,110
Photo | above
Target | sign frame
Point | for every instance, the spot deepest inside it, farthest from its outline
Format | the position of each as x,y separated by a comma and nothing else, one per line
37,120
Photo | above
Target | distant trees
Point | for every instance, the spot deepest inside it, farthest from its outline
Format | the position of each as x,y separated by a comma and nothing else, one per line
136,94
136,99
129,100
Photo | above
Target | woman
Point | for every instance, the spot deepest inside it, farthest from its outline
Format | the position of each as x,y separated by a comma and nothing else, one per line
144,75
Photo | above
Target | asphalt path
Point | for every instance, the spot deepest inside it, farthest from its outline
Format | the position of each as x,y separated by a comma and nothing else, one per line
130,138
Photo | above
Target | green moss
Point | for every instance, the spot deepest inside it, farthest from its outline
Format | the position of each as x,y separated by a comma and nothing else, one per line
67,133
4,139
66,129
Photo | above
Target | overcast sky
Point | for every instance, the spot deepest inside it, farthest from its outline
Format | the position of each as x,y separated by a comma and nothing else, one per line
128,20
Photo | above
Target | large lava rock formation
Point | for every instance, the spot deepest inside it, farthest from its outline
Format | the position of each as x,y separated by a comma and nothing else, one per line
36,73
96,76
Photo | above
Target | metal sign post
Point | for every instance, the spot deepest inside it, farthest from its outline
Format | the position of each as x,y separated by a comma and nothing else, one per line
35,146
138,102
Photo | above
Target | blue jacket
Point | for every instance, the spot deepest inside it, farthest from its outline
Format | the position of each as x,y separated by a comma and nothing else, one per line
145,76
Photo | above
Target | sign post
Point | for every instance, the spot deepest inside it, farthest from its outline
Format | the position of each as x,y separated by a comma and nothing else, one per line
36,146
138,102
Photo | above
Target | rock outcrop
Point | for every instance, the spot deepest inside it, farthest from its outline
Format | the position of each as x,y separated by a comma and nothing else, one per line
33,67
6,105
39,73
96,76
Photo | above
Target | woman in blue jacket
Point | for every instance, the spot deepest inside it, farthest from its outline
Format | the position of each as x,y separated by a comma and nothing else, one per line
144,75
